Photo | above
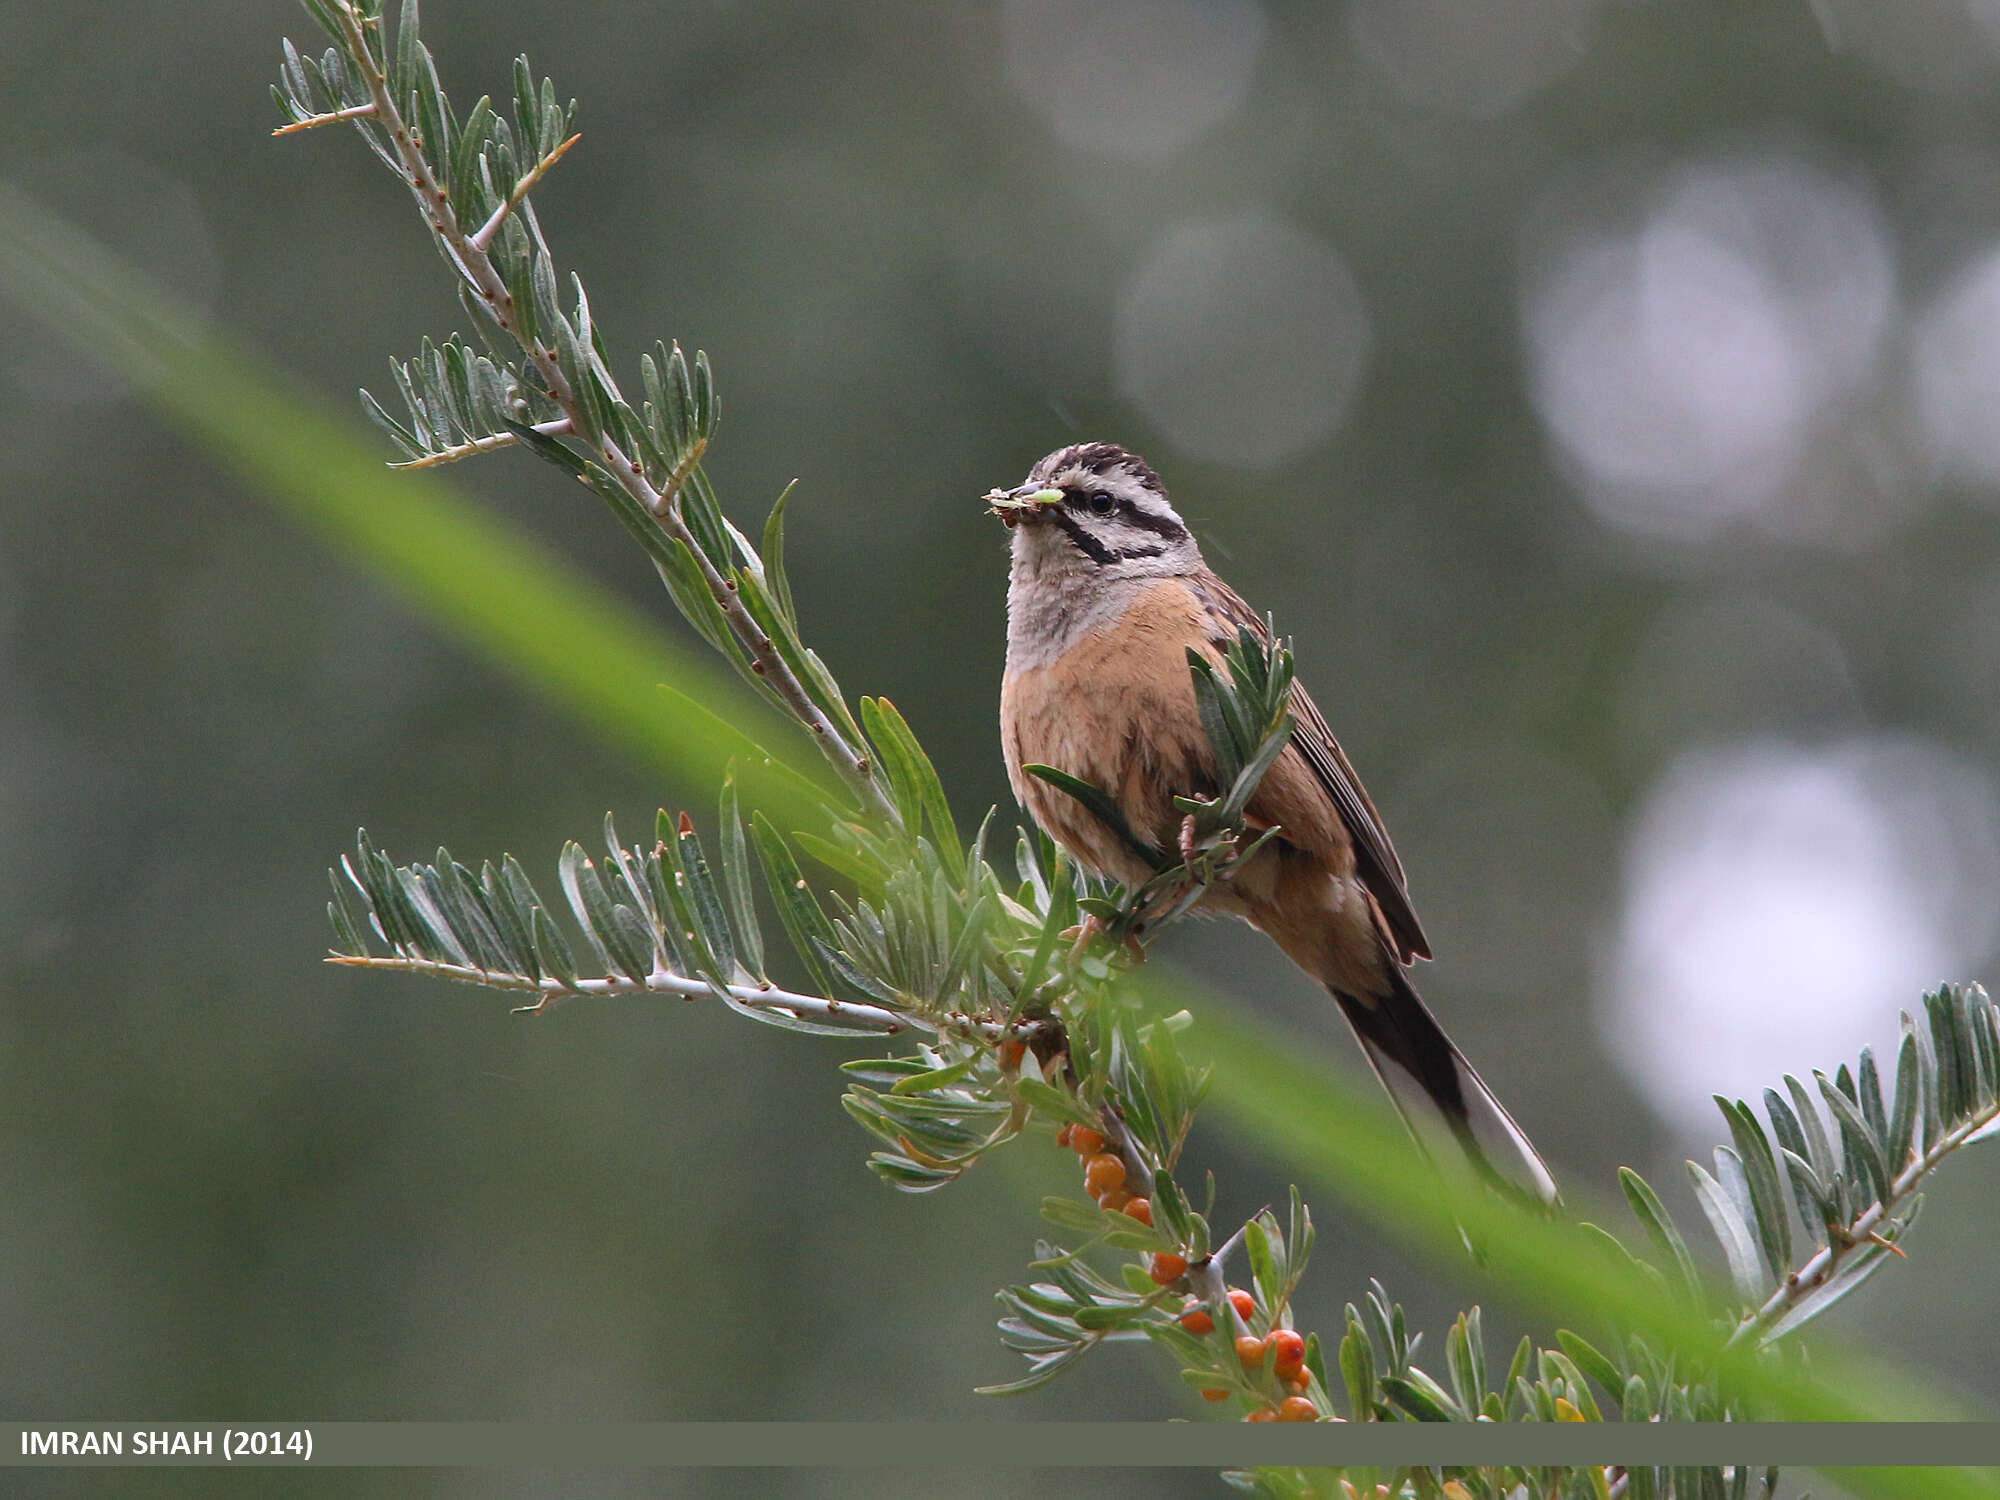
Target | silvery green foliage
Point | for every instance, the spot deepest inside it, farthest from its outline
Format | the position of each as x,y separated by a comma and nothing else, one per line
920,934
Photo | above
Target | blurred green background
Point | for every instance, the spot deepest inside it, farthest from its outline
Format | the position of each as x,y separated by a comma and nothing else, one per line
1603,395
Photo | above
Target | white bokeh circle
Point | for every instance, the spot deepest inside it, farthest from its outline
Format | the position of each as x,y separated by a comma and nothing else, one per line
1781,904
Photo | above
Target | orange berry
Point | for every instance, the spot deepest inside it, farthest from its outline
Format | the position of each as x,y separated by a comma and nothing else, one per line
1140,1209
1062,1133
1243,1302
1167,1267
1102,1173
1297,1409
1085,1141
1213,1395
1263,1414
1250,1350
1195,1318
1115,1201
1289,1353
1301,1379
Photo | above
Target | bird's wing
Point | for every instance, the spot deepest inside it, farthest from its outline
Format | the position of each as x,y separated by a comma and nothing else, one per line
1374,856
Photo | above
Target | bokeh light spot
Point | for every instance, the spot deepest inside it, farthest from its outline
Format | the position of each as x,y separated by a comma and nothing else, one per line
1242,339
1687,365
1473,57
1958,374
1782,904
1131,79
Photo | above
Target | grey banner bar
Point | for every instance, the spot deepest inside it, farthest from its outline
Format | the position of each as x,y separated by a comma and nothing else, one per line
961,1445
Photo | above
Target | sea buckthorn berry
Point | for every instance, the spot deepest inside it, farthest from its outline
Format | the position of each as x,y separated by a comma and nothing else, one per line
1243,1302
1214,1395
1288,1353
1140,1209
1167,1267
1263,1414
1102,1173
1115,1201
1300,1380
1195,1318
1085,1141
1063,1132
1297,1409
1250,1351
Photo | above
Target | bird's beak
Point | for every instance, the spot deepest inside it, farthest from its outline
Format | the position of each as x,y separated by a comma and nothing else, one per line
1024,503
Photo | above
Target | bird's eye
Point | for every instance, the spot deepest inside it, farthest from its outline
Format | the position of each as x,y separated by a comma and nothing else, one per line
1101,503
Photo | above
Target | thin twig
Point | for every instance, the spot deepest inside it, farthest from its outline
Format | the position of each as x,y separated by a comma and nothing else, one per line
558,428
336,117
483,236
868,1018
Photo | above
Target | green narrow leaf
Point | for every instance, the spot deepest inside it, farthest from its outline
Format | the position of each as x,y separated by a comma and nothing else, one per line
553,950
1816,1202
471,206
705,903
403,73
775,577
888,728
1732,1228
1659,1227
348,941
438,940
511,919
1870,1086
1766,1188
589,902
1638,1403
1951,1090
1101,806
1819,1150
1903,1122
1458,1365
1215,712
733,854
1263,1266
1252,774
1422,1397
1860,1140
474,918
1517,1368
1591,1361
1983,1029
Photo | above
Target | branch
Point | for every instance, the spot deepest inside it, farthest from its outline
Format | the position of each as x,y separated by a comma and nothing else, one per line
468,254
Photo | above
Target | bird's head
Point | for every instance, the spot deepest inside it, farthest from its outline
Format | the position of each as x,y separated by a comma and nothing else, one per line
1095,508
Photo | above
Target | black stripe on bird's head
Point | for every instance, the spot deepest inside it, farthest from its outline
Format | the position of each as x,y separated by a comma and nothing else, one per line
1104,507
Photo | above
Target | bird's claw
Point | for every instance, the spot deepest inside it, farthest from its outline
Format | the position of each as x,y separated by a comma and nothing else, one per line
1091,928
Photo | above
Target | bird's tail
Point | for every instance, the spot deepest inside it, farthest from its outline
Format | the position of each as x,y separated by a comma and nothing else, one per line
1432,1083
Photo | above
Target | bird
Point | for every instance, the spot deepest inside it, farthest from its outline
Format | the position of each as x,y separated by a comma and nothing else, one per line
1107,591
